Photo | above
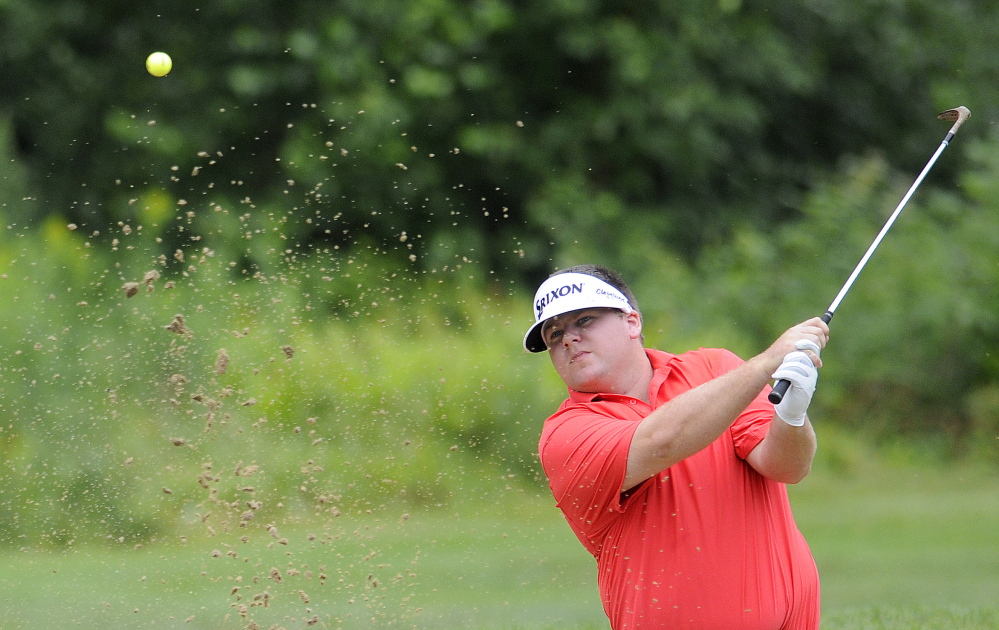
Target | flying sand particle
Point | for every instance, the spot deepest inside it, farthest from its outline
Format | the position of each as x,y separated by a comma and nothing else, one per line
178,326
130,289
222,362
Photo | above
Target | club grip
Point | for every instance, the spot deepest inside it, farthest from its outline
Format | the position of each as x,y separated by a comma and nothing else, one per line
780,387
777,393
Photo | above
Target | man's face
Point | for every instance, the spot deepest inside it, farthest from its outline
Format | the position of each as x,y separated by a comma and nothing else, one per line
590,347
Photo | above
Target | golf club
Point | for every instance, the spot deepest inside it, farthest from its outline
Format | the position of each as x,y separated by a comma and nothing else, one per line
958,115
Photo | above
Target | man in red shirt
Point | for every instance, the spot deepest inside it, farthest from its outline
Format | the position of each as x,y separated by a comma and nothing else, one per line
671,469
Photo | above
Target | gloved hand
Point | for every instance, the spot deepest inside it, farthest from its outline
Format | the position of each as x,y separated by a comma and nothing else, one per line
801,372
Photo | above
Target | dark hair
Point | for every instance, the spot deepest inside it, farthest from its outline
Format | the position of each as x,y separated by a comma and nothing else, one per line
608,276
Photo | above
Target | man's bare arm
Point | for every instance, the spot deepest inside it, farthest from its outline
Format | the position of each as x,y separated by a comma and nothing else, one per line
786,453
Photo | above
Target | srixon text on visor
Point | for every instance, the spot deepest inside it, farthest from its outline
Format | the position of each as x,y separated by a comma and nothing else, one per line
555,294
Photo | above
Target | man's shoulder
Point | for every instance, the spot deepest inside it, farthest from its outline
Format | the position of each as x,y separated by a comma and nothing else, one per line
589,413
575,424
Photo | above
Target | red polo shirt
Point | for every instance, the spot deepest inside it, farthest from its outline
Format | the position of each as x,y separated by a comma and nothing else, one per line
709,542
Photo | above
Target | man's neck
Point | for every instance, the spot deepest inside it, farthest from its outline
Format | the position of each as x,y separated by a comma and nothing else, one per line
638,377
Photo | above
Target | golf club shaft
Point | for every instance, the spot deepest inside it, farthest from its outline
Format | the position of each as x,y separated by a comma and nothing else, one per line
962,113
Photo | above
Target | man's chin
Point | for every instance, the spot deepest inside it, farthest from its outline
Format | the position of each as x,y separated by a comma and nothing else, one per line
588,384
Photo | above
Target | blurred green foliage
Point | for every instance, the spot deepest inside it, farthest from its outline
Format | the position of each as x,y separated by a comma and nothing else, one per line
353,201
268,398
629,121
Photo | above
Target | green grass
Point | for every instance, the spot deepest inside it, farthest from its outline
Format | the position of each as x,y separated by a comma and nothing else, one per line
468,568
908,538
919,617
897,550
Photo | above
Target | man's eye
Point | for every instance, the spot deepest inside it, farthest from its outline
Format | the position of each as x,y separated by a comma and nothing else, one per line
586,319
553,335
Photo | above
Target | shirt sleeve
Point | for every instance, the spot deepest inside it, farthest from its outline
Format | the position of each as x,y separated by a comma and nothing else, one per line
752,425
585,457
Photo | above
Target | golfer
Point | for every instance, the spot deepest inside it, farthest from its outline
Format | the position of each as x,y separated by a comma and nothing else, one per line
671,469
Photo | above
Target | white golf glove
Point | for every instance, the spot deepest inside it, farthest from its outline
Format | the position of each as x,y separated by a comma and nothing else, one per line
801,372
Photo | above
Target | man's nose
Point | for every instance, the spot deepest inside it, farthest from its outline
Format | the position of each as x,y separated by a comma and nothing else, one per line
570,335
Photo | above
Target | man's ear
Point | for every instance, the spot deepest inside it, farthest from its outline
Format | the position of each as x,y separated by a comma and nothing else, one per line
634,325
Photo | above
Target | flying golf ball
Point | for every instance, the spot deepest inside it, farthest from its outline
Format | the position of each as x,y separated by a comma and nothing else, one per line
159,64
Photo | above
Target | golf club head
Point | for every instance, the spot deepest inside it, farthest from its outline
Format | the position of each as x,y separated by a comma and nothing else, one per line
957,115
953,115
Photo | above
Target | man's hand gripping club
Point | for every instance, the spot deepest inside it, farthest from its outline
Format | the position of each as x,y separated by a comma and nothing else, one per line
800,371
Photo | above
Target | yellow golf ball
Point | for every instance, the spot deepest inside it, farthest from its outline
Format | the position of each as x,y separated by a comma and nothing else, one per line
159,64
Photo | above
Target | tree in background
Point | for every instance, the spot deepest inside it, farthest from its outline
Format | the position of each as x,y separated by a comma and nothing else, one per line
619,119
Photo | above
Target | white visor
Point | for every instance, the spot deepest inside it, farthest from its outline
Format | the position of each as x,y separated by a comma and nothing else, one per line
566,292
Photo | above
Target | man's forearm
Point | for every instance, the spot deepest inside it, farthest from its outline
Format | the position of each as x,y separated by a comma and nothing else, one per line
786,453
